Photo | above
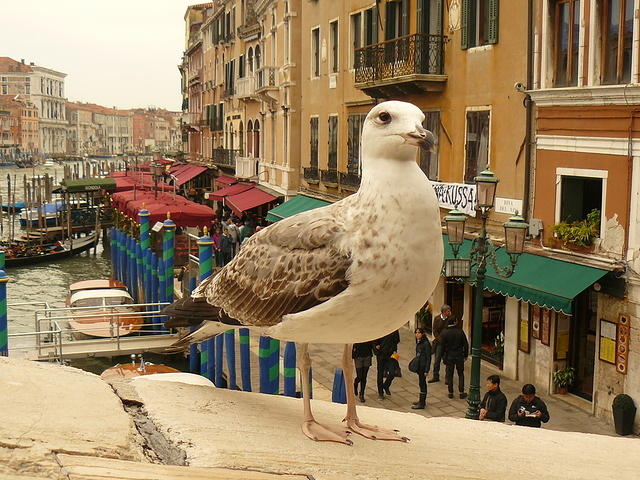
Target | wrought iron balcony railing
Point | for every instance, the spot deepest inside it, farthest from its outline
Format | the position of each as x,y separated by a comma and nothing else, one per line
228,92
349,180
329,177
266,77
413,54
225,156
311,174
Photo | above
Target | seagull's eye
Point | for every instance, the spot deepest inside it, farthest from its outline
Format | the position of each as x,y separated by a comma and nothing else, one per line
384,117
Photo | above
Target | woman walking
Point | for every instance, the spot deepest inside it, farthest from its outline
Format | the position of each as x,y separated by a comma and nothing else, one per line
361,354
423,357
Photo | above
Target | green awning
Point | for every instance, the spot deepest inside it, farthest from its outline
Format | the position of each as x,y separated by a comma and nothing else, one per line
88,185
300,203
542,281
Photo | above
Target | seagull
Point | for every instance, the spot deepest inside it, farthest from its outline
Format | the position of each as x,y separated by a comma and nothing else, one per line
348,272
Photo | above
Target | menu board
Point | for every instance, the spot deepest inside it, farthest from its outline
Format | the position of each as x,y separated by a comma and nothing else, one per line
608,336
523,339
535,321
545,327
563,327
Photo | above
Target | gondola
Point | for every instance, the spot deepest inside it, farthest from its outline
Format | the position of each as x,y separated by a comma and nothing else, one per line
54,253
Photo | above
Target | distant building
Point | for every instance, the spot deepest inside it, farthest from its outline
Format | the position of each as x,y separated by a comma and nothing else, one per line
25,120
97,130
43,87
156,130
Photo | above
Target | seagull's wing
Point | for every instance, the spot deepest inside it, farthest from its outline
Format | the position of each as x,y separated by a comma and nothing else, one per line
286,268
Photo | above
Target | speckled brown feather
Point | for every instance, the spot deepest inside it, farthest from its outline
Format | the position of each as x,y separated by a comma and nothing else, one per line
286,268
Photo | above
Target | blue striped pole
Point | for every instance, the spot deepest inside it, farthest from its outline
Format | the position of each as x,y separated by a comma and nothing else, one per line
269,360
4,328
132,268
194,360
245,359
148,279
119,248
141,298
339,391
113,245
290,369
219,346
168,245
145,245
230,346
156,265
205,267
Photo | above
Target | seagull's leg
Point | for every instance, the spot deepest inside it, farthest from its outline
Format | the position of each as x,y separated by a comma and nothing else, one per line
353,422
310,427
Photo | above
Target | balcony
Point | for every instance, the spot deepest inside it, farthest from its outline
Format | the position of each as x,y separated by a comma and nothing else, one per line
350,181
246,167
266,78
413,64
228,92
329,177
226,157
246,87
311,175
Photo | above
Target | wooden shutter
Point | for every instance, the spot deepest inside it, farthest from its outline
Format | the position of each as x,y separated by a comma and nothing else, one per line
466,4
420,19
493,21
390,18
374,24
405,18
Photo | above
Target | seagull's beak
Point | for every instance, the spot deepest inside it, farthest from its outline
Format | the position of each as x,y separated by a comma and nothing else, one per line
420,137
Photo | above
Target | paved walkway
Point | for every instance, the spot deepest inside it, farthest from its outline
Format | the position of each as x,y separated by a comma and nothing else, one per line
404,390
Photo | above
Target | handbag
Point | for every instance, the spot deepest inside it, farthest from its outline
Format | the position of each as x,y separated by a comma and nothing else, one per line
414,364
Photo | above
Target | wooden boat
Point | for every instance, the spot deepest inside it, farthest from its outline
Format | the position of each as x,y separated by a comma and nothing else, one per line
20,255
103,312
133,369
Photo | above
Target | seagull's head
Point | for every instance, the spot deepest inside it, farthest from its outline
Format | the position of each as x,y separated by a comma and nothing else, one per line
393,129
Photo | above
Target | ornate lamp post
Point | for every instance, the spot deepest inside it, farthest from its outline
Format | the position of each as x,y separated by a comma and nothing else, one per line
156,170
482,252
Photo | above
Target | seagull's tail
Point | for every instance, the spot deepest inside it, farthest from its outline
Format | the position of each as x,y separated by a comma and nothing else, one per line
189,312
206,331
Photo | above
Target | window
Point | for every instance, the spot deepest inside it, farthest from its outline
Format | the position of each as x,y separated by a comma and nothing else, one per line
566,25
250,60
354,127
579,196
356,35
332,163
479,22
371,26
617,37
477,144
315,52
241,66
429,160
333,29
397,19
5,90
313,125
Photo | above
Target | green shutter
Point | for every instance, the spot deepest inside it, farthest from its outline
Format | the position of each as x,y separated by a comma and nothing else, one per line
390,17
493,20
374,25
420,27
466,4
405,18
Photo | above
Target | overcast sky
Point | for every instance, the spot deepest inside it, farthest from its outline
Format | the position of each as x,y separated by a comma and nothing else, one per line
121,53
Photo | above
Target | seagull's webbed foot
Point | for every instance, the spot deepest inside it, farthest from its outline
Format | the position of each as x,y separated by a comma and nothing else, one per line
320,433
374,432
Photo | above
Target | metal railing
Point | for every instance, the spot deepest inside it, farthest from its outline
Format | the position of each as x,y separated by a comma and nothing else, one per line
349,179
329,176
225,156
266,77
413,54
311,173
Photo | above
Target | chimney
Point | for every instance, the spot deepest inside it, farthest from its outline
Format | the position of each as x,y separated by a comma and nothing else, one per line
32,64
22,61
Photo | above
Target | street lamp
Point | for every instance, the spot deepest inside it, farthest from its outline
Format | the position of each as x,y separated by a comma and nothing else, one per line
482,252
156,171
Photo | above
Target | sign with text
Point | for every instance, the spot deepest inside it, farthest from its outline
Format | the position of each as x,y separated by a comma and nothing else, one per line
508,205
456,195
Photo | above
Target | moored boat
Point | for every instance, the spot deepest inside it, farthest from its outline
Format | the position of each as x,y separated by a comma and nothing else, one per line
20,255
134,369
103,312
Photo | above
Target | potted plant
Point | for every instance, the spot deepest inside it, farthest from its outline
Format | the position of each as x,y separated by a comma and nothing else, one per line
579,235
564,379
624,413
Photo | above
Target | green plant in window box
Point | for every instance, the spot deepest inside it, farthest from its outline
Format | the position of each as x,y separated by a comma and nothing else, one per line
581,233
564,378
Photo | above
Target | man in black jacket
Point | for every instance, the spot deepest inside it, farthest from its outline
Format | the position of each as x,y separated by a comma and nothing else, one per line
384,347
439,324
455,350
494,404
528,410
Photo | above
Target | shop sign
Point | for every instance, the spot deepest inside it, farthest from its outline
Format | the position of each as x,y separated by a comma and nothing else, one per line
456,195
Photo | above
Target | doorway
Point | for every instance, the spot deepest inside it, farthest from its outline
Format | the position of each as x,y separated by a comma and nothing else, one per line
454,297
582,343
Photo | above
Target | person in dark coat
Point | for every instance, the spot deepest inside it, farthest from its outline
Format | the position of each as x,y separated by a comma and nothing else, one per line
361,354
423,354
226,247
528,410
455,350
439,323
384,347
494,404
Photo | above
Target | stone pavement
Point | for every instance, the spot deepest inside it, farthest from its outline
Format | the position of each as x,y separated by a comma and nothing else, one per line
326,358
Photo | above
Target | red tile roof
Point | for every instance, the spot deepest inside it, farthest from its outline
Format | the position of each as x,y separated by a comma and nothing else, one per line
10,65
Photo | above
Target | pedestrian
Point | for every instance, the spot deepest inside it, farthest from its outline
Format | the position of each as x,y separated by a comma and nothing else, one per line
245,231
216,238
234,233
384,347
455,350
361,354
528,410
226,247
439,324
423,356
494,403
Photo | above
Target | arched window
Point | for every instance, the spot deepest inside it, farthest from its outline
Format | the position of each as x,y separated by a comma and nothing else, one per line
250,139
250,60
241,146
256,139
258,57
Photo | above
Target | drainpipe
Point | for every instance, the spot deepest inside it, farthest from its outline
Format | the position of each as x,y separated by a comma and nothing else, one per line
529,114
